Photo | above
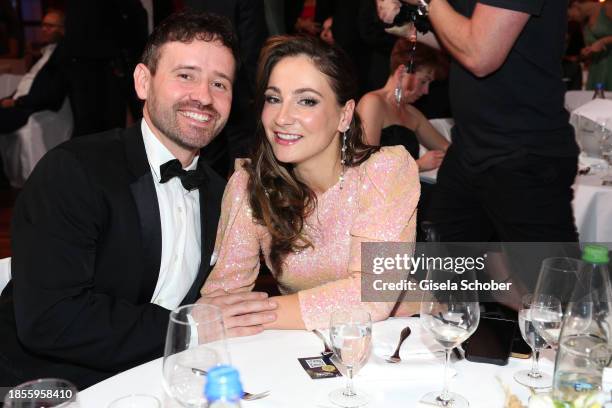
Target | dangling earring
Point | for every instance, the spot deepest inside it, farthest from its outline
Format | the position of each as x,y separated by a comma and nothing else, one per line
343,160
398,94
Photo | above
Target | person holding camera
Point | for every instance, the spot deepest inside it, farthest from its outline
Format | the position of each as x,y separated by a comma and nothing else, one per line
507,175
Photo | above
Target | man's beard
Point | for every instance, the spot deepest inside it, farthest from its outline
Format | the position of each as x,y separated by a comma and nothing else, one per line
167,122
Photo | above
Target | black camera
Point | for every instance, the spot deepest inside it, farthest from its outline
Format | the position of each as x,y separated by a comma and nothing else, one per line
411,14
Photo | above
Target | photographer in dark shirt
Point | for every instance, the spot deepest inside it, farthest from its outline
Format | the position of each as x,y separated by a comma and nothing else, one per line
507,175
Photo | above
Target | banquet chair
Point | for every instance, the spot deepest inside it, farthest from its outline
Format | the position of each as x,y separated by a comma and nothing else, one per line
22,149
5,272
8,84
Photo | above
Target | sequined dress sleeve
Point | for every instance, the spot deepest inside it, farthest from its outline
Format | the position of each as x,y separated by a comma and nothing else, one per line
389,191
237,246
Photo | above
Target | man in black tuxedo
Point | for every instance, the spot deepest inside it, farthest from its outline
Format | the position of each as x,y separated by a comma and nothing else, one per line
114,230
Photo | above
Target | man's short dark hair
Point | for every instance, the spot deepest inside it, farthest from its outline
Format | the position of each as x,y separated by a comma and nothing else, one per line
187,26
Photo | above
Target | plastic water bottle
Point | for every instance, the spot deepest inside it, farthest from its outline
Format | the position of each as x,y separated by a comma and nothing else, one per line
599,91
584,345
223,388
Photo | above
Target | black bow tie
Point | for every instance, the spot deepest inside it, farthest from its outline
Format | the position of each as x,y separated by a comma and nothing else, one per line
190,179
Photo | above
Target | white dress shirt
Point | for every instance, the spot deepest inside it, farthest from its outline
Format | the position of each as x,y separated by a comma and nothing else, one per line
23,88
179,212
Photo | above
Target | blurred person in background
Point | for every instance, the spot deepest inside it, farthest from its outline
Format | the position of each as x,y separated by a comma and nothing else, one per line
326,32
104,40
596,19
307,22
572,67
43,87
11,32
388,115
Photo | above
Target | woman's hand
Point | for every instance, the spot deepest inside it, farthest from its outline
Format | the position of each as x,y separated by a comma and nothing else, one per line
244,313
431,160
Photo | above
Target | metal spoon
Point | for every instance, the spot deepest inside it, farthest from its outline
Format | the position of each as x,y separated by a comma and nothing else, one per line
328,350
395,357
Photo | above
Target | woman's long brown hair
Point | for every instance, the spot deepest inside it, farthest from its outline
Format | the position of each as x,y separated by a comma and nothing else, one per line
278,199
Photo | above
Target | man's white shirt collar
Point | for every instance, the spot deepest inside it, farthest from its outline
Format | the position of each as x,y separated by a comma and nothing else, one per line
157,153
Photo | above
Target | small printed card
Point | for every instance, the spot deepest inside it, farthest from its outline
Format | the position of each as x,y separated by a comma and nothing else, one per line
319,367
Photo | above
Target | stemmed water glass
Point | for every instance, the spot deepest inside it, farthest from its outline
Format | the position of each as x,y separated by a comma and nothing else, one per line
533,378
350,336
451,316
556,282
195,343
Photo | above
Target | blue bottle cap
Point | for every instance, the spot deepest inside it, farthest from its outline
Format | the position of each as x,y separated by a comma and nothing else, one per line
599,85
223,382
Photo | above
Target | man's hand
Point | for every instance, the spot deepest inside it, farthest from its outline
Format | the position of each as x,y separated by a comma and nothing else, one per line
244,313
7,103
387,10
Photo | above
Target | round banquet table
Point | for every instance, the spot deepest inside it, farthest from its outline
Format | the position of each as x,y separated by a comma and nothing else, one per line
268,361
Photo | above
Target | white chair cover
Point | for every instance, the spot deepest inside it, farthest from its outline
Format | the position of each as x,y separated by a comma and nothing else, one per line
8,84
23,149
5,272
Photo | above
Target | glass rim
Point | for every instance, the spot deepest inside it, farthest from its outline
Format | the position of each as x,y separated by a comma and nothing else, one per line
569,259
178,310
46,379
137,395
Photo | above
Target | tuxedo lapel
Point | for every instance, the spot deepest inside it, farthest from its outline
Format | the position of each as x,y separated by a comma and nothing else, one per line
145,198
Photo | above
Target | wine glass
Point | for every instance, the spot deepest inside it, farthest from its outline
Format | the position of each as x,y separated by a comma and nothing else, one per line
533,378
556,282
43,393
451,316
350,336
195,343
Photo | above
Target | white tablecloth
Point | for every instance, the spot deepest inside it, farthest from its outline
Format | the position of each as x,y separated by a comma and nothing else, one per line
268,361
575,99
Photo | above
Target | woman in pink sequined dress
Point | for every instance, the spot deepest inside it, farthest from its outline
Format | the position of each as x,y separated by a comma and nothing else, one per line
312,192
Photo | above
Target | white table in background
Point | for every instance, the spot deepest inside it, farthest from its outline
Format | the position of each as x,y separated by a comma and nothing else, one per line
268,361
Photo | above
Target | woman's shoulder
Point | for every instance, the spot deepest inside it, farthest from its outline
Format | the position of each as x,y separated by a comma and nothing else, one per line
387,164
237,184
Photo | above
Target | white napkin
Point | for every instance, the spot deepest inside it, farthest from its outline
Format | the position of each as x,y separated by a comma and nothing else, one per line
422,358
